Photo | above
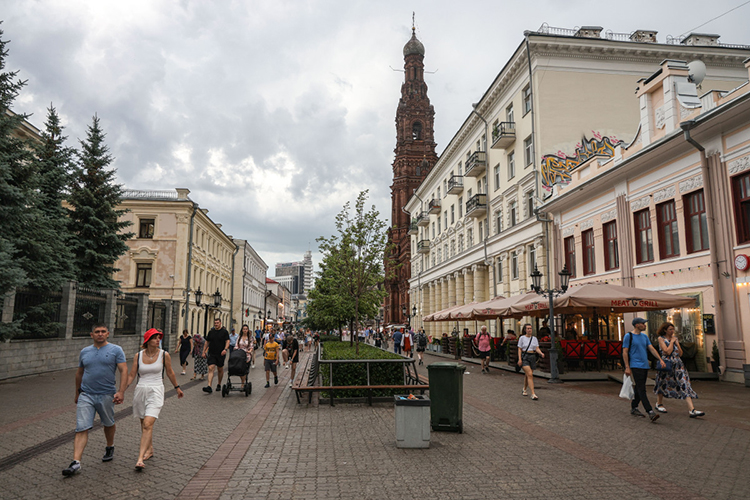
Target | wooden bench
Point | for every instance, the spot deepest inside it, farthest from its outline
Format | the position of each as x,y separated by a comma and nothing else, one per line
369,388
309,373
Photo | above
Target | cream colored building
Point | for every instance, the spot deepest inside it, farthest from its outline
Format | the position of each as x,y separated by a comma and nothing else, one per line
177,249
563,96
249,286
663,216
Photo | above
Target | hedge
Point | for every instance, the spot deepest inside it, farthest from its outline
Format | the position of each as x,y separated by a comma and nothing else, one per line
356,373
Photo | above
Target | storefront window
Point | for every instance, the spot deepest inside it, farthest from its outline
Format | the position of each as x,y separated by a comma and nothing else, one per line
689,327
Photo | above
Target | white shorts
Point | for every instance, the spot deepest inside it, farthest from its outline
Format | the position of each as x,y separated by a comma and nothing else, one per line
148,400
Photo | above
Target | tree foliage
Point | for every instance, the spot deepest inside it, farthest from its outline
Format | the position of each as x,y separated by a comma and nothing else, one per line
349,286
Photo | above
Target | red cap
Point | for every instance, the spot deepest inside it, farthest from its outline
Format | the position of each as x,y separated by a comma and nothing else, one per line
150,333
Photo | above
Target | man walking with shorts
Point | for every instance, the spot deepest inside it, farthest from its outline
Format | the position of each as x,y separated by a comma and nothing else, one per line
271,360
292,347
95,393
217,345
635,347
482,341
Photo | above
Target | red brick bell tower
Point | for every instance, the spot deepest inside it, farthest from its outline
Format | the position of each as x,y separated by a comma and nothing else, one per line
415,156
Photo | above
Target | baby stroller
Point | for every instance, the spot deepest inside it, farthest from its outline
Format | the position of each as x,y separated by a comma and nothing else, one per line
238,367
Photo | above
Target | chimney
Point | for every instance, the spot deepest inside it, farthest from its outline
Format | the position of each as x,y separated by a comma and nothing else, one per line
643,36
701,39
589,32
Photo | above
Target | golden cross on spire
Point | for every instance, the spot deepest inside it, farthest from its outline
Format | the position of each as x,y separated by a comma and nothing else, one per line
413,29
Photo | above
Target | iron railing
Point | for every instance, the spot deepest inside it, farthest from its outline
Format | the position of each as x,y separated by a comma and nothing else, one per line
89,310
125,316
38,312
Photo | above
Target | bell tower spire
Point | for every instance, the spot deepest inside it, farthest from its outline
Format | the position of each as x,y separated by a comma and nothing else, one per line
415,156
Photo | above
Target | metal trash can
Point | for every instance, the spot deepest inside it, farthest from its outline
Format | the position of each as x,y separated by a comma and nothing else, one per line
412,422
447,396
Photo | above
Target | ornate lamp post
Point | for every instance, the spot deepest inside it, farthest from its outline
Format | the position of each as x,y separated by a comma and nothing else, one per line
536,285
408,316
216,304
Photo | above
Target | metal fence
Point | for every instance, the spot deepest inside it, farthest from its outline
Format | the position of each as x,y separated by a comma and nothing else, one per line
89,310
37,313
127,311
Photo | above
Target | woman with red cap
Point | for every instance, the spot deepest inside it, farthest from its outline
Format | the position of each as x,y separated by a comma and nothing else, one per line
149,366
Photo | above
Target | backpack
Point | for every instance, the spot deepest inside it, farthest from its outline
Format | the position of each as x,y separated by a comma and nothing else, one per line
421,340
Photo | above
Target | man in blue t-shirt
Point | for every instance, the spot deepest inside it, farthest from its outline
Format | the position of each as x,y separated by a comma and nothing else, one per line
635,347
95,393
397,336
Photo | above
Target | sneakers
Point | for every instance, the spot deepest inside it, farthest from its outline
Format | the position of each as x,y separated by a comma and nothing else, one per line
660,409
291,384
73,468
208,389
653,416
109,454
268,384
275,380
218,387
637,413
286,366
696,413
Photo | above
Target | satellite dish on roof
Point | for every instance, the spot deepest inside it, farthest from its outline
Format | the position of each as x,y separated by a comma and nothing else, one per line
696,71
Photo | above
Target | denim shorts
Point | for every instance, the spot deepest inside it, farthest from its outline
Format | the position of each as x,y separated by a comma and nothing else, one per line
90,404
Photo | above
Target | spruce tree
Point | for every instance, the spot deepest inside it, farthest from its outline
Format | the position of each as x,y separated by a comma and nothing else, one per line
99,237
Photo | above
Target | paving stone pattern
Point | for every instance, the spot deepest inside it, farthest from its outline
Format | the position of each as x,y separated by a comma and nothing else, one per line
578,441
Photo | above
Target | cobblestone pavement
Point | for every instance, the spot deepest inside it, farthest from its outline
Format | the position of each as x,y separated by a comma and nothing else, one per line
577,441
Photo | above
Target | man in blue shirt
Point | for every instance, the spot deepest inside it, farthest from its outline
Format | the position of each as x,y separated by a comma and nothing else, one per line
95,393
397,336
635,347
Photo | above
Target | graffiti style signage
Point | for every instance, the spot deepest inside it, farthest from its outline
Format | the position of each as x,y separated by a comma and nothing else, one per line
536,306
635,303
556,168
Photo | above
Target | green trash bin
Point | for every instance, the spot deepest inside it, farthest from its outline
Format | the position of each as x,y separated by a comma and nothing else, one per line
446,396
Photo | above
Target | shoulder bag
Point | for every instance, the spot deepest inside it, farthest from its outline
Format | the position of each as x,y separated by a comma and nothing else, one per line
518,368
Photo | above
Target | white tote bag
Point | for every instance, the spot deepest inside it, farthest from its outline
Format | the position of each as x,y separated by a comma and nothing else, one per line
627,388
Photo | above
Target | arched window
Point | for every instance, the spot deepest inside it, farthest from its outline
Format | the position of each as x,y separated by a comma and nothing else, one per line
416,131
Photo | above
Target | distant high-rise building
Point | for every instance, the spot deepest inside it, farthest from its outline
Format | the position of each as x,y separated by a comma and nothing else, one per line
291,275
307,261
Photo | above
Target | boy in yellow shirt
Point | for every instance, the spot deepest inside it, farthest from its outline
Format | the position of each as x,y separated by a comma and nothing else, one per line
271,360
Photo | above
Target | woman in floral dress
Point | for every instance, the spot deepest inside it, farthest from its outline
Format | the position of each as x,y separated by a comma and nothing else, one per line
199,361
675,383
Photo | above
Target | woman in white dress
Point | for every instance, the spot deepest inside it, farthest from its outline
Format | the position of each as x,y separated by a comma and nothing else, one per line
149,366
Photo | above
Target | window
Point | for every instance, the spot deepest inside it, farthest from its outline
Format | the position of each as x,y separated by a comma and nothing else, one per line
469,238
481,231
445,188
453,214
570,255
589,262
527,151
509,113
513,209
460,169
146,229
644,250
484,142
514,266
511,165
143,275
741,188
695,222
526,99
530,203
460,242
453,248
445,218
499,221
433,230
479,185
445,252
497,177
438,225
669,243
416,131
611,255
438,194
532,258
460,206
499,276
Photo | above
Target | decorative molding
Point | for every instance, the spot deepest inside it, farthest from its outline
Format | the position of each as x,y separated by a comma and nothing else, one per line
539,243
684,112
640,203
608,216
503,256
144,253
659,117
739,165
587,224
182,218
691,184
568,231
664,194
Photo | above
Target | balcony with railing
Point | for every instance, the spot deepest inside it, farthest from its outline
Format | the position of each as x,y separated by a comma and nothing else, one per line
413,227
423,246
434,206
455,184
503,135
476,164
423,219
477,205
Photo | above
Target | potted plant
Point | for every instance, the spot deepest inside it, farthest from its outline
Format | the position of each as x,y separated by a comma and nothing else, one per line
715,362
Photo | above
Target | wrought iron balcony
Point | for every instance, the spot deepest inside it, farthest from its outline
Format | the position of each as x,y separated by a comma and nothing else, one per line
434,206
423,246
413,227
476,164
476,206
455,184
423,220
503,135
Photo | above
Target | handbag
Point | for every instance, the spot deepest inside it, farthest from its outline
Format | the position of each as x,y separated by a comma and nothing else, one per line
667,366
518,368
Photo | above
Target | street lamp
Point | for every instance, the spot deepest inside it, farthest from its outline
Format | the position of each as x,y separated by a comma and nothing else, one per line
216,304
536,285
408,316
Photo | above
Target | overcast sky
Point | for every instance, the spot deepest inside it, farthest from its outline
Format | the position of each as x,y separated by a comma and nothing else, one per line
275,113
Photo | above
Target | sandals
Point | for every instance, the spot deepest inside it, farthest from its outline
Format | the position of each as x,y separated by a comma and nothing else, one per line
660,408
534,397
140,466
524,393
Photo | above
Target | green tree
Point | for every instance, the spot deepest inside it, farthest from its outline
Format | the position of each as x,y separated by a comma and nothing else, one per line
354,261
99,237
